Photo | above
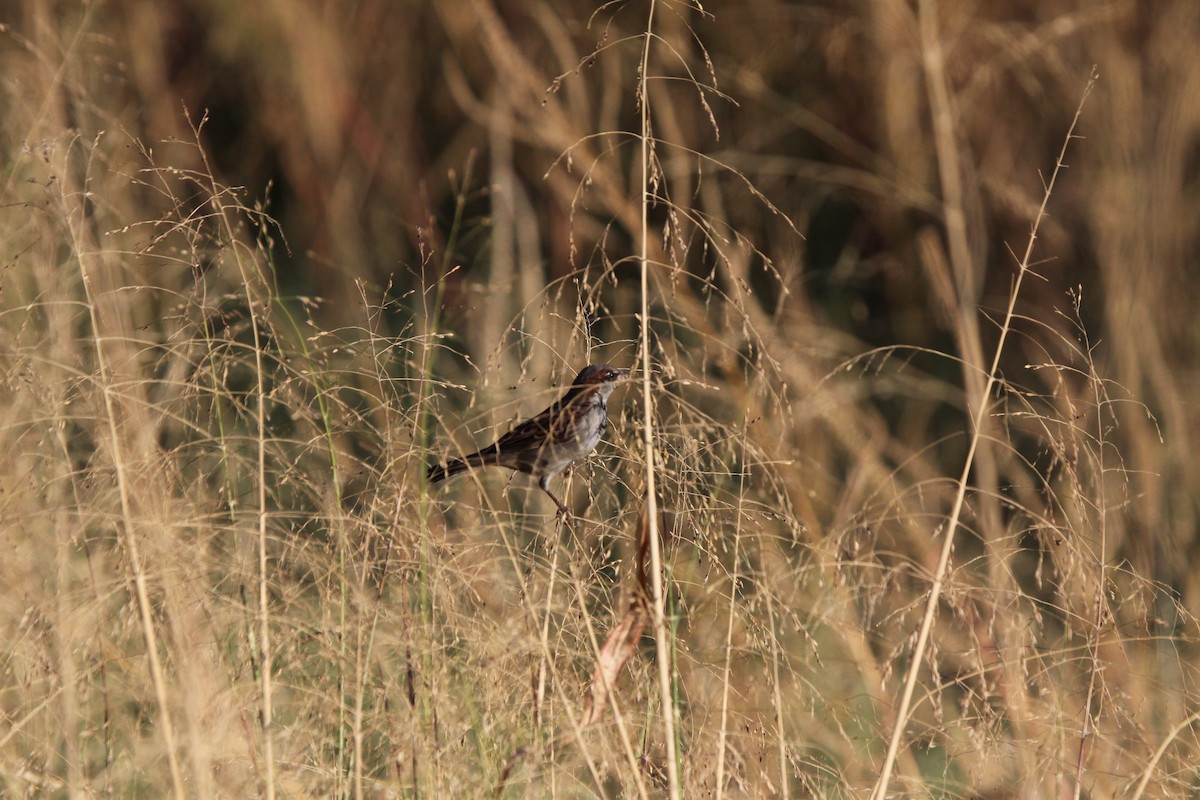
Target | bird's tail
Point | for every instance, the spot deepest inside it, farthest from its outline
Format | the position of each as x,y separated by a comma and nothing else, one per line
439,472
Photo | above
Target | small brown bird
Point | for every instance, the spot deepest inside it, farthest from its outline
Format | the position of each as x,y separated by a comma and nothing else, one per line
550,442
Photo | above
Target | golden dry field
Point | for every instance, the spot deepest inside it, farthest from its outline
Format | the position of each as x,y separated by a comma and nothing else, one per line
901,499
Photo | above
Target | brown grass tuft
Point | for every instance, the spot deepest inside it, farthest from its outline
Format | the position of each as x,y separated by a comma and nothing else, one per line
260,264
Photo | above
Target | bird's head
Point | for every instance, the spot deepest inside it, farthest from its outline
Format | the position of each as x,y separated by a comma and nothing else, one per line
602,376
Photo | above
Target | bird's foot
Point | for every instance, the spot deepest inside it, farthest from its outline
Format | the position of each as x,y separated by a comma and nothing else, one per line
563,511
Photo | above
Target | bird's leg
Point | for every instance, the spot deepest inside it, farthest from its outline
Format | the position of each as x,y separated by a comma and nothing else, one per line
544,484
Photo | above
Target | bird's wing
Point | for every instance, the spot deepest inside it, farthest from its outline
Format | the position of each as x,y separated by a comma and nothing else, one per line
529,434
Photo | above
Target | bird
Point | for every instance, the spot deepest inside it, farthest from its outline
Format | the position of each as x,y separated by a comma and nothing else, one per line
545,445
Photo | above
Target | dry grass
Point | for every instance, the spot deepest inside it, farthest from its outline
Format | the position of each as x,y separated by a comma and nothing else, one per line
262,263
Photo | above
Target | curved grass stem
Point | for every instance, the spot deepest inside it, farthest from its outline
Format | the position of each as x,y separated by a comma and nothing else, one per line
979,414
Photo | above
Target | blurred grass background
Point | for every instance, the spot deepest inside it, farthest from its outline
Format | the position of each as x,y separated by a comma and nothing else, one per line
262,262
